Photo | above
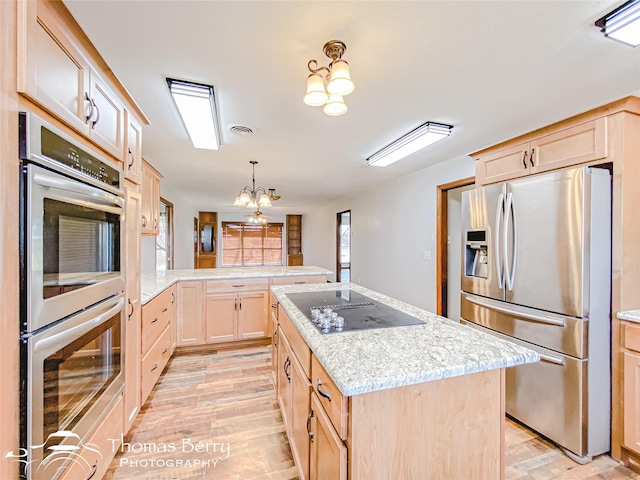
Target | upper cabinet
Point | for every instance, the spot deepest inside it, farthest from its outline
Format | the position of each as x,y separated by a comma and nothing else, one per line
133,149
294,240
59,69
581,143
150,199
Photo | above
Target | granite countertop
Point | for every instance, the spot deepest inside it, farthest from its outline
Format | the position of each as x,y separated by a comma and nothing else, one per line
630,315
370,360
153,283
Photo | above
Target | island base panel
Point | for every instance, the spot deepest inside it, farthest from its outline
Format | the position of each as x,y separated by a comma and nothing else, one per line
451,428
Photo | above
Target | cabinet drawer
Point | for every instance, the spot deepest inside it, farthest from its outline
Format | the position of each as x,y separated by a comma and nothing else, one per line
298,280
238,285
631,336
156,316
100,449
298,345
334,403
154,362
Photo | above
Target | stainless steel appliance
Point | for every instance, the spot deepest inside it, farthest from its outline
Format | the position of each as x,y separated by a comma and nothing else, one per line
358,311
536,270
72,300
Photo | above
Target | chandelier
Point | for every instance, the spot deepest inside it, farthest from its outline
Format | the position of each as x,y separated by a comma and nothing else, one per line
258,218
338,81
252,197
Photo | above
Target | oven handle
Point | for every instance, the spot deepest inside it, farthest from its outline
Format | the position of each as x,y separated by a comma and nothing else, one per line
95,194
78,330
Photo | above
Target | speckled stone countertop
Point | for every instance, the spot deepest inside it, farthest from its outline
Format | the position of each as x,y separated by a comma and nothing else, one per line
376,359
154,283
630,315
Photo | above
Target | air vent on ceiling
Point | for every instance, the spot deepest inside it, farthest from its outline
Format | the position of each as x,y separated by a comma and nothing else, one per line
243,130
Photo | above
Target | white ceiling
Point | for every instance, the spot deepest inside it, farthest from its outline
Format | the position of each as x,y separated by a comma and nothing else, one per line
492,69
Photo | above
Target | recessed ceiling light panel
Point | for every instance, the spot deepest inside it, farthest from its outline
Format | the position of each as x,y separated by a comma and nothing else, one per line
623,23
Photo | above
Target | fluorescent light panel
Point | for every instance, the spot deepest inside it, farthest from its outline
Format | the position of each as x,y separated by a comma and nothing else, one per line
413,141
197,107
623,23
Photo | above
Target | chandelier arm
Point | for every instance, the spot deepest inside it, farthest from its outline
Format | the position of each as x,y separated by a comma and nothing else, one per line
318,69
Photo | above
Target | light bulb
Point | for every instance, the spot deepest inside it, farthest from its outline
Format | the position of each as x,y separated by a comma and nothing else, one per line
340,83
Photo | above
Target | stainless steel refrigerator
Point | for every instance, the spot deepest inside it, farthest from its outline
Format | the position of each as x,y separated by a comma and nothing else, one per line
536,270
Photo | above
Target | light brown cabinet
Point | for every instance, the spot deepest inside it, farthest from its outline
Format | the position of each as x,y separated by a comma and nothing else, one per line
150,199
56,71
631,386
236,310
133,149
207,233
190,313
294,240
328,452
582,143
131,361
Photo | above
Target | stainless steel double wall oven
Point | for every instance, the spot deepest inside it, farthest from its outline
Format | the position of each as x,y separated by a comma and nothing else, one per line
72,290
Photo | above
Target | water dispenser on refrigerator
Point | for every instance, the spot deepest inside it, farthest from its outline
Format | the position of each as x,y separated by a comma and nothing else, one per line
475,258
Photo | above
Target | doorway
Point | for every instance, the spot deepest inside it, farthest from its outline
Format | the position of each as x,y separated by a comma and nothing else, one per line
343,247
448,239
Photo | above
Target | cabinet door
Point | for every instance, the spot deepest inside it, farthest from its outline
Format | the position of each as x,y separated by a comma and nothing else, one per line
133,150
274,350
106,125
155,205
148,200
328,452
503,165
284,381
51,71
221,317
174,318
190,313
631,393
253,315
132,286
575,145
300,413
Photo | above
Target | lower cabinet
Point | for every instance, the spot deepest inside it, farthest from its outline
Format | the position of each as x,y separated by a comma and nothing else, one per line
235,316
631,387
190,313
328,452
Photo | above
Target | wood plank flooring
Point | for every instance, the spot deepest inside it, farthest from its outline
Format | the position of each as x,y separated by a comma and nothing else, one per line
226,401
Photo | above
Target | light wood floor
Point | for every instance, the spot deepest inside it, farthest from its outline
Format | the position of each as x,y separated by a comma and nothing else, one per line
226,401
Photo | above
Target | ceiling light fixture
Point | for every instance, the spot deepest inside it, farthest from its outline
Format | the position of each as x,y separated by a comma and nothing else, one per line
258,218
409,143
197,106
623,23
338,81
252,197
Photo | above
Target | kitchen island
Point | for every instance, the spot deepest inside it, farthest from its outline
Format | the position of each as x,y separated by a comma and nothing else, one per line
412,402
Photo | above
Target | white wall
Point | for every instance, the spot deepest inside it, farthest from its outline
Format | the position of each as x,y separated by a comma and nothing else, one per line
392,226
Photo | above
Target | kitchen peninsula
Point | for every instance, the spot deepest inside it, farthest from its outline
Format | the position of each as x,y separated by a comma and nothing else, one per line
418,401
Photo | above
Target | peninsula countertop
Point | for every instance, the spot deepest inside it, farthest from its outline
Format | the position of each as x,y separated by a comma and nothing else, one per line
153,283
366,361
630,315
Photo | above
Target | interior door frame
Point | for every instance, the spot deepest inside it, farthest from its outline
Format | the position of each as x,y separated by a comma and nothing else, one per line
338,238
442,236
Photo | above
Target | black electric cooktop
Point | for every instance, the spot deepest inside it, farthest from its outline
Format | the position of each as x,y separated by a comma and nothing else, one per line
359,311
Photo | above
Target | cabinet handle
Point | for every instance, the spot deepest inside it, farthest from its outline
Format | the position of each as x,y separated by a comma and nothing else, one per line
154,320
165,309
287,364
173,298
155,223
237,286
94,469
165,351
533,150
309,432
322,394
299,283
87,99
131,305
275,334
95,122
240,304
133,159
144,221
273,305
524,159
155,365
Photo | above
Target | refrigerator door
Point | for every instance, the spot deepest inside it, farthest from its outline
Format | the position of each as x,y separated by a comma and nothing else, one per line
546,232
482,219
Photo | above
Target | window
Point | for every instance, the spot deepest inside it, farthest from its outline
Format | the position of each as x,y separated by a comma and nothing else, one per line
251,245
164,239
343,252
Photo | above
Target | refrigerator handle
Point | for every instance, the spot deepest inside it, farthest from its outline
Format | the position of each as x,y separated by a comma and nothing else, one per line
499,263
510,273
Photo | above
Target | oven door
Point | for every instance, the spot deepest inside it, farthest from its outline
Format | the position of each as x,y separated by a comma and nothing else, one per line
74,376
72,237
